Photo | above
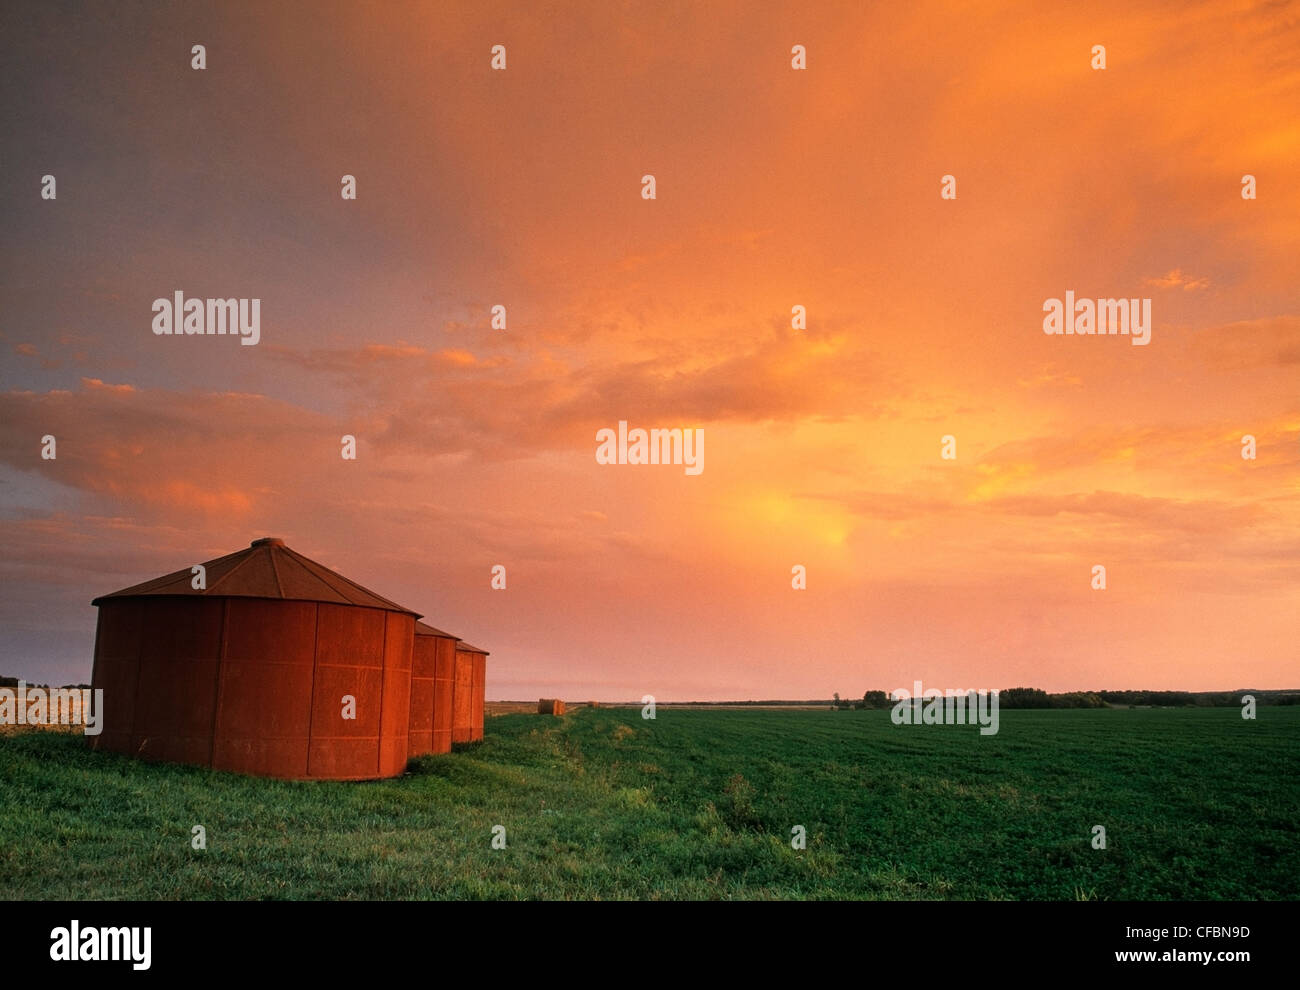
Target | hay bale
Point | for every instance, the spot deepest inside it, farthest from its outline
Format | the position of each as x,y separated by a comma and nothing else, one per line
550,706
593,704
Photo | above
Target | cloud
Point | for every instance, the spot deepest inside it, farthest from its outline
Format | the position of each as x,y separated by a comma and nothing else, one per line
100,385
1175,279
174,454
444,401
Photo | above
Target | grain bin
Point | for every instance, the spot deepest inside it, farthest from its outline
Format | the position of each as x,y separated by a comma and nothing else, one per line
251,673
444,672
480,683
432,666
467,693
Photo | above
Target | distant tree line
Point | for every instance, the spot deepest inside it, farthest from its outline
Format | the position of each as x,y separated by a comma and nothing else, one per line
1199,699
1027,697
872,699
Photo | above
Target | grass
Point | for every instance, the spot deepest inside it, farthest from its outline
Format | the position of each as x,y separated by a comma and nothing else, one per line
1196,803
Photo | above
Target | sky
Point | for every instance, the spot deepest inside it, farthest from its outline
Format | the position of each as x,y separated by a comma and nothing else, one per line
774,188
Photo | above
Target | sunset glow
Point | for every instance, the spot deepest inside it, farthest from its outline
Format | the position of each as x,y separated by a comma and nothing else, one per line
775,188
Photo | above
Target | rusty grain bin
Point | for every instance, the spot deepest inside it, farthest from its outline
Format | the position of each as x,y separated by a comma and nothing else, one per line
476,703
467,693
444,673
249,673
550,706
432,663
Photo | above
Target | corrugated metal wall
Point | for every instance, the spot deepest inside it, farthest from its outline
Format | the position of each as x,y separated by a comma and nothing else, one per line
462,698
256,685
431,688
476,709
420,734
444,673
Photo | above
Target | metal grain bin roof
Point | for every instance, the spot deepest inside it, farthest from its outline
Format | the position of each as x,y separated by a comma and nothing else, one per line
464,647
267,569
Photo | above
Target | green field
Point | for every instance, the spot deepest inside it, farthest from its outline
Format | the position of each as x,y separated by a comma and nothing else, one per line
1196,803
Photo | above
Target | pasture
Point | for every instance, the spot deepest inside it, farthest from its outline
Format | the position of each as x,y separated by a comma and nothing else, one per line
698,804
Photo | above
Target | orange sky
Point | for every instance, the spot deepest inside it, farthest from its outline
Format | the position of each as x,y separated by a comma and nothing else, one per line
775,188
